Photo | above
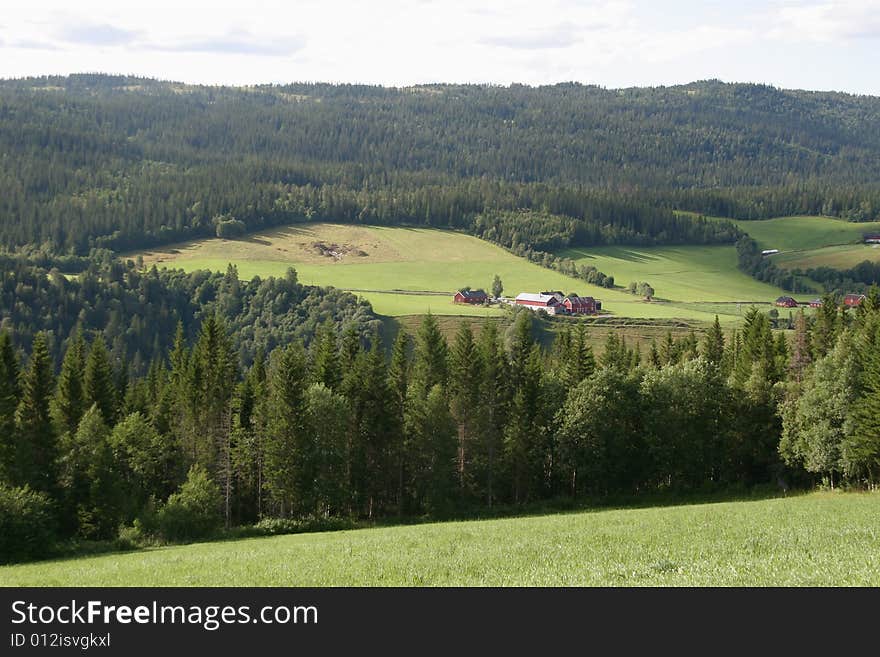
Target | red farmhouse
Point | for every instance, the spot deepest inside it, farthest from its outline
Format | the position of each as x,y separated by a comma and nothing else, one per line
470,296
581,305
816,303
853,300
786,302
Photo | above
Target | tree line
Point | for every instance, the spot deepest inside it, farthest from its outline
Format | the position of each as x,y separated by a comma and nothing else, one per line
342,429
138,310
94,161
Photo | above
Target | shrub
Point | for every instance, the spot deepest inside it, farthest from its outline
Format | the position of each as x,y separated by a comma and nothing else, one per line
27,524
193,512
231,228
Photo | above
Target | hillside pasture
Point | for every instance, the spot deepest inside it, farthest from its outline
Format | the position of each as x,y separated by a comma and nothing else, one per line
679,273
844,256
401,271
800,233
821,539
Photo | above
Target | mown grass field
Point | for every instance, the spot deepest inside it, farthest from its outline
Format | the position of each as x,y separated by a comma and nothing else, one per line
395,268
806,242
820,539
678,273
837,257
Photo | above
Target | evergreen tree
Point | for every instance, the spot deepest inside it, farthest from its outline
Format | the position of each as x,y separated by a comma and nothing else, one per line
325,358
800,351
9,398
713,345
288,457
327,421
98,381
69,402
465,375
861,450
36,458
578,362
429,365
398,385
494,402
825,326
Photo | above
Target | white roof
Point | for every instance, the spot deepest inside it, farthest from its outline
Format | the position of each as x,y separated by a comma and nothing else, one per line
540,298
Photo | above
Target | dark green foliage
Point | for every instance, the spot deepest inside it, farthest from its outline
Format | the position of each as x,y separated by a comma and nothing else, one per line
141,312
90,479
148,463
27,524
36,447
194,512
122,162
465,377
601,442
288,450
429,366
713,345
98,384
70,398
9,397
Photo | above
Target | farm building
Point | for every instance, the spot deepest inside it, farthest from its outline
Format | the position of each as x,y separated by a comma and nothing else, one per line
547,302
470,296
816,303
853,300
555,293
872,238
786,302
577,305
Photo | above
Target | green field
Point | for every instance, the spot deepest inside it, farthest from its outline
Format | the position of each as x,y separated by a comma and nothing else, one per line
845,256
395,268
806,242
821,539
678,273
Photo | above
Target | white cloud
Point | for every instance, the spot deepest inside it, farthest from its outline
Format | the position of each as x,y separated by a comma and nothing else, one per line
827,22
401,42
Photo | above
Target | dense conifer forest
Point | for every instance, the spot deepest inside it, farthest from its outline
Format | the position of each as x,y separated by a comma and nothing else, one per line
340,429
143,406
92,161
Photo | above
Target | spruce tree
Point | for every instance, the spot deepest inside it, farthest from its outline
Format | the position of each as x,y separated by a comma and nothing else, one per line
713,345
800,348
578,362
288,458
429,366
9,398
398,384
98,381
70,403
465,374
494,389
325,358
861,450
36,457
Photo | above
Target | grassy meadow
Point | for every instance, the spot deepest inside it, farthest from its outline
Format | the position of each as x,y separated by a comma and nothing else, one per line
408,271
820,539
678,273
806,242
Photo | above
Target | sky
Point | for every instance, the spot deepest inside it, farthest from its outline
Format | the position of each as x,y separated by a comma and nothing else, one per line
802,44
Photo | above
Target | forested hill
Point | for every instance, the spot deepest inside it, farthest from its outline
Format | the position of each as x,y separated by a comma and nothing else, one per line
93,160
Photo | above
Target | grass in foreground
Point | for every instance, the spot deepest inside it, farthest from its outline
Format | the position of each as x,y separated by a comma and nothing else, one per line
387,265
821,539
